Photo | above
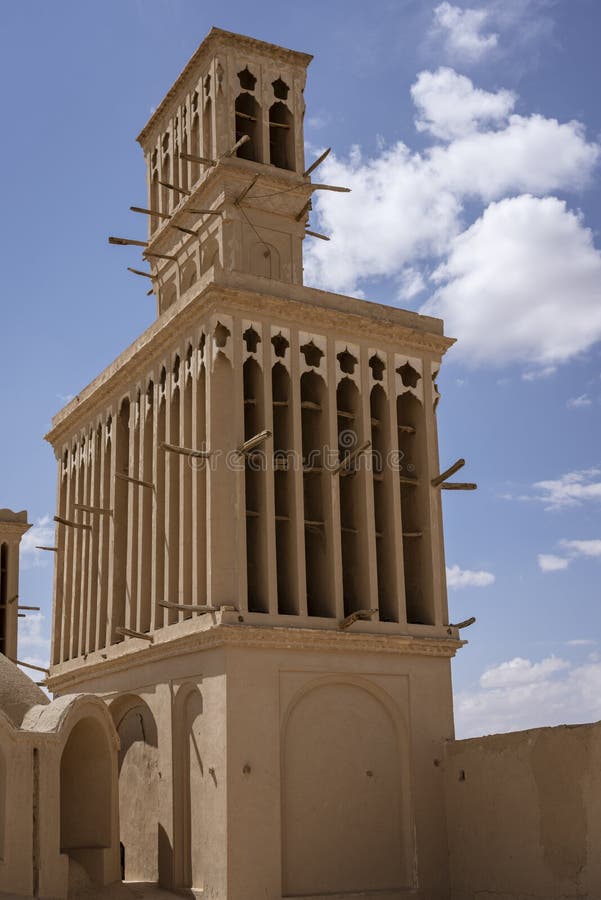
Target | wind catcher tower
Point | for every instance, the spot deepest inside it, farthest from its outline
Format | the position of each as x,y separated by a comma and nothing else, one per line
250,565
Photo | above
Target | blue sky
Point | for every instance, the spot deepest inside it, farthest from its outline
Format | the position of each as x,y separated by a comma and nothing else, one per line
470,136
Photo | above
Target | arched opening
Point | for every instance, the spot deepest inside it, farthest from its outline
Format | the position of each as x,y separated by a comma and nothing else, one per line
121,517
195,150
281,137
256,512
3,595
352,512
210,253
189,275
192,823
154,200
248,122
284,494
207,130
138,788
86,796
166,194
383,505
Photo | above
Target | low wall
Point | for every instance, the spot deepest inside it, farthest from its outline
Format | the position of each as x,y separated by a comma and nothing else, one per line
524,814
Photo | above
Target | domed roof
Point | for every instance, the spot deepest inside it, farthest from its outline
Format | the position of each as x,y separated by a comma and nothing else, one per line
18,693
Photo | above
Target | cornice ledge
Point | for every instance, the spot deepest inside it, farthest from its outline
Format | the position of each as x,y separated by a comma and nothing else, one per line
255,637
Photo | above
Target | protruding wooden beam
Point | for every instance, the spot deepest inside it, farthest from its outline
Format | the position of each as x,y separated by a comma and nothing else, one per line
129,632
243,140
189,607
126,242
160,255
465,624
322,237
248,187
174,187
459,486
329,187
52,549
29,608
71,524
20,662
132,480
183,230
203,160
184,451
139,272
150,212
253,442
93,509
303,211
344,463
361,615
204,212
448,472
317,162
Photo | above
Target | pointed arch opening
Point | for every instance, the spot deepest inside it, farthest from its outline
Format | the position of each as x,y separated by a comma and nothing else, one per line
248,122
281,137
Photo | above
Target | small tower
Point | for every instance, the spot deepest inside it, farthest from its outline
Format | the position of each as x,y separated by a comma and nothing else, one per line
231,128
250,566
13,526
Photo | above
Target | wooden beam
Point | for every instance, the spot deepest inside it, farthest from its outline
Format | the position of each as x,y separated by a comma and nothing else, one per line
322,237
248,187
203,160
448,472
150,212
465,624
185,451
329,187
459,486
129,632
317,162
344,463
138,481
139,272
189,607
174,187
20,662
71,524
53,549
243,140
183,230
303,211
204,212
126,242
253,442
93,509
363,615
160,255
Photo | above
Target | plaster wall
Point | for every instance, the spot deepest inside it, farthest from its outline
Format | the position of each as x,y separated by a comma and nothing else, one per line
525,814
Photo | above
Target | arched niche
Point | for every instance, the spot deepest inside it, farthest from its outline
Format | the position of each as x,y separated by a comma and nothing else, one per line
264,260
209,253
248,122
138,764
190,811
345,792
281,137
86,794
189,275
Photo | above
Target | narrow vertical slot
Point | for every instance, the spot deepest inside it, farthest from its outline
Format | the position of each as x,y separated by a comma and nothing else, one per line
103,567
173,462
316,491
66,549
160,537
135,497
120,517
59,570
201,489
96,437
354,563
146,501
78,542
256,524
3,595
415,495
186,462
383,505
284,491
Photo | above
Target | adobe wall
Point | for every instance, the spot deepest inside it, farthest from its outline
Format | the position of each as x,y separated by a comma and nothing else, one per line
525,814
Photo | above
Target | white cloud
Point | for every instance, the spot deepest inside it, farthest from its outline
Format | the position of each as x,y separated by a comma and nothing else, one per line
521,671
463,31
579,402
549,563
449,106
583,548
571,489
522,283
460,578
40,533
411,283
522,694
581,642
538,374
33,636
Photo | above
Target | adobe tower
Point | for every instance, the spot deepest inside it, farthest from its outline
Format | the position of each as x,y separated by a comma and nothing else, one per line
250,566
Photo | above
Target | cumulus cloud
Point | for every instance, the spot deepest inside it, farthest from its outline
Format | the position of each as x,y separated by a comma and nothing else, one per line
522,283
571,489
460,578
582,548
463,31
33,634
40,533
549,563
449,106
579,402
524,694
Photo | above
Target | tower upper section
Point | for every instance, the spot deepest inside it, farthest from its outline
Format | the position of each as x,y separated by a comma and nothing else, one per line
13,526
225,162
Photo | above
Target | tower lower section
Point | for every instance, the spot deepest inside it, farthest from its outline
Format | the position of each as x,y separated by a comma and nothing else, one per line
270,762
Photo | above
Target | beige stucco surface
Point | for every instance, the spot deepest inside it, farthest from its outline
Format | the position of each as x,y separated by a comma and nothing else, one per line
524,814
